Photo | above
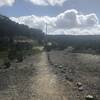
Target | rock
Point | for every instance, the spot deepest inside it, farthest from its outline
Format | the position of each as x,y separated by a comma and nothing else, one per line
60,66
89,97
56,65
81,88
79,84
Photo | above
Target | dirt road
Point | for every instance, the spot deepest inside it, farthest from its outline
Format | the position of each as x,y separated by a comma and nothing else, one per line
32,82
46,83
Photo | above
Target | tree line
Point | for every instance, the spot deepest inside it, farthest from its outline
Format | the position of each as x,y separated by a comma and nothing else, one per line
80,43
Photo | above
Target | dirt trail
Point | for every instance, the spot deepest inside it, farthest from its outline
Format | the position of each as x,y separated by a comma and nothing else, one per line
46,83
33,79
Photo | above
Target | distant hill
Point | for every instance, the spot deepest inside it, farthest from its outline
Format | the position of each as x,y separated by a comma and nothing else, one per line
79,42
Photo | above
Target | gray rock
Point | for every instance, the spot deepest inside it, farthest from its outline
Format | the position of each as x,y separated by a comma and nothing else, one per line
79,84
81,88
89,97
60,66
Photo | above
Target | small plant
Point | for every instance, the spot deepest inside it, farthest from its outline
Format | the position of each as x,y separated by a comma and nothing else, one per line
7,64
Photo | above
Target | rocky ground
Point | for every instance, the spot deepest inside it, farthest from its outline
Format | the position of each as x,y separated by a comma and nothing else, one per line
82,71
32,79
15,82
56,75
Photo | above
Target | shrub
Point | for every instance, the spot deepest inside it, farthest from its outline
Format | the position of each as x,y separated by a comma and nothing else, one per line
7,64
11,54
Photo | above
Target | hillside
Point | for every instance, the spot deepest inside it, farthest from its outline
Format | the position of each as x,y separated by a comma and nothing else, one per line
9,30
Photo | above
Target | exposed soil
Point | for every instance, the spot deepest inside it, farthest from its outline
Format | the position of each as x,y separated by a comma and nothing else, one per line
53,77
32,79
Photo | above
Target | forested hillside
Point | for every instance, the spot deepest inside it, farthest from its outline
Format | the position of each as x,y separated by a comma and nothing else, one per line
9,30
17,41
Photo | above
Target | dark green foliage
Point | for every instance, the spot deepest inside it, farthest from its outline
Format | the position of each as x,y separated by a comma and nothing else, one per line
80,43
9,30
18,39
18,51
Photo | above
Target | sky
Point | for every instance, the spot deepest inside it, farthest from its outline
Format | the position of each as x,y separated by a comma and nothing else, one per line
69,17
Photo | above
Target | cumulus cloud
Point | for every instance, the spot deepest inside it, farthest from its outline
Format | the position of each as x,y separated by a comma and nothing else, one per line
36,21
72,19
68,22
47,2
6,2
87,20
67,19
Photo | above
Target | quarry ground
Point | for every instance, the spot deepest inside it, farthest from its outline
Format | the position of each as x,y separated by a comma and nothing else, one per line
52,76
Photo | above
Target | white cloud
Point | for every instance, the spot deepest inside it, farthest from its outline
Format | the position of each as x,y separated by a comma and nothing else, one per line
87,20
6,2
68,22
72,19
47,2
35,21
67,19
78,31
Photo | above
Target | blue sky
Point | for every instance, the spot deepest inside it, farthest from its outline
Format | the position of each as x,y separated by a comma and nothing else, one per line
23,8
73,17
